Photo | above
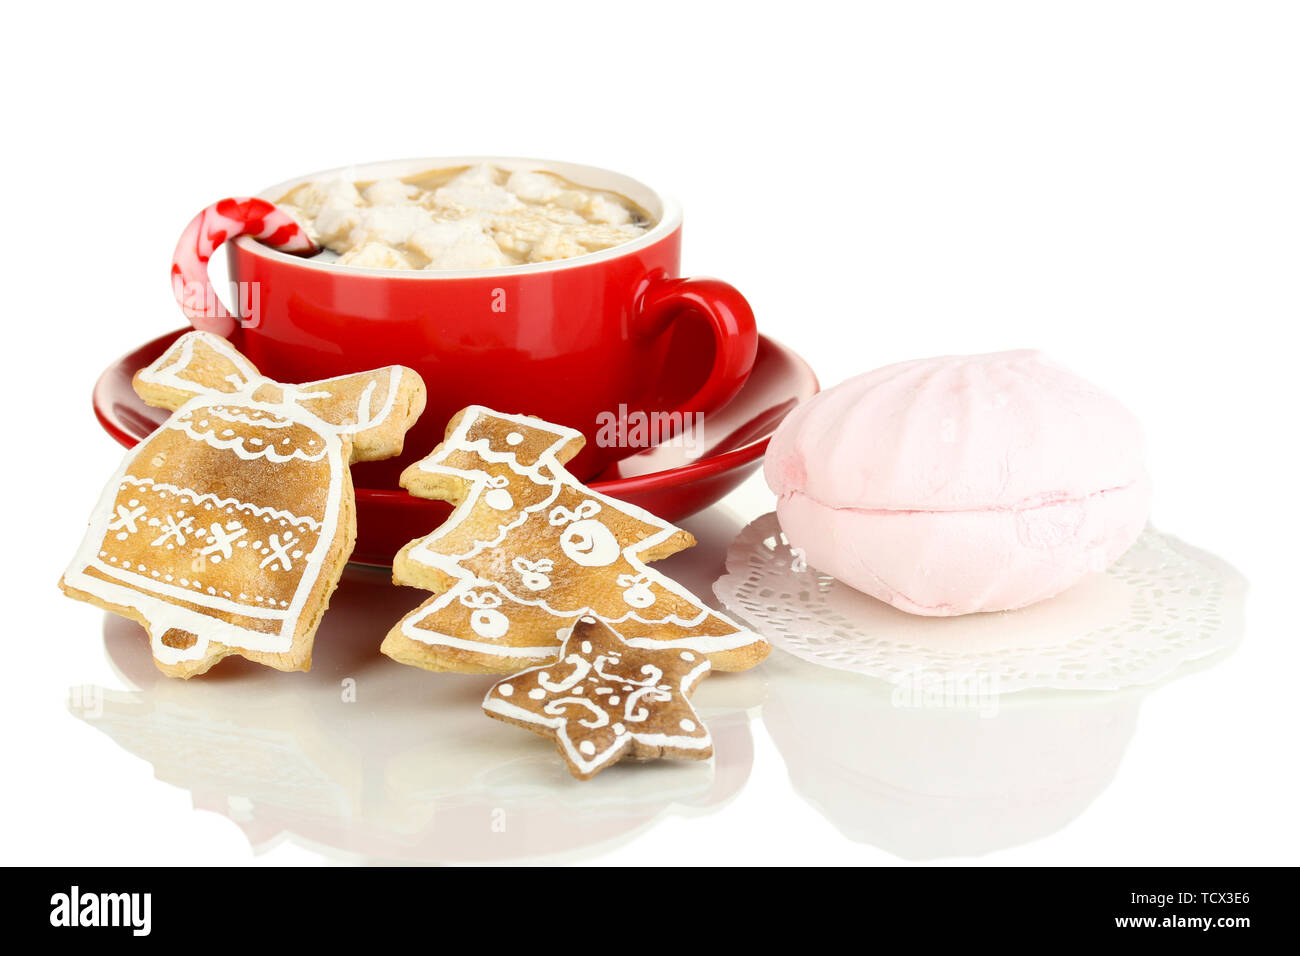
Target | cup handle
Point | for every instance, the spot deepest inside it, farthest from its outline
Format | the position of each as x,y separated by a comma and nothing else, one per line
663,301
226,219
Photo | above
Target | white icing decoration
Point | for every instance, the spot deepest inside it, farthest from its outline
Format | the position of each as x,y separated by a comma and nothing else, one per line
175,531
590,544
489,624
486,620
243,418
498,497
638,593
238,445
278,552
533,574
562,515
581,668
221,540
126,518
557,707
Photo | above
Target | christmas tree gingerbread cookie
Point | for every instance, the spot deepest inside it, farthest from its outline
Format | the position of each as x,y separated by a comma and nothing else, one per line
528,550
602,700
226,530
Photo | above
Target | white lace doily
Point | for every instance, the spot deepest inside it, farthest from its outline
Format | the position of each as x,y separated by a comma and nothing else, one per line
1162,604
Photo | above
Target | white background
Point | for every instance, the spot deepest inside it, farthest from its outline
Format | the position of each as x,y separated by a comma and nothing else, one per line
1115,183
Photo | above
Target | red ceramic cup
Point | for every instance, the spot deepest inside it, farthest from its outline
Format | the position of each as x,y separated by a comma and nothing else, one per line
615,332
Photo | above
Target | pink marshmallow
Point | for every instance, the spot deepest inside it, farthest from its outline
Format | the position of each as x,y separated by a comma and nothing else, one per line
966,483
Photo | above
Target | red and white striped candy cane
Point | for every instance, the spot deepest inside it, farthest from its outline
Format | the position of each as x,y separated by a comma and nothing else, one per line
243,216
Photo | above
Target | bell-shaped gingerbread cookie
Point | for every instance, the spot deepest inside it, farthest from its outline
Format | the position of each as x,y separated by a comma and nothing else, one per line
227,529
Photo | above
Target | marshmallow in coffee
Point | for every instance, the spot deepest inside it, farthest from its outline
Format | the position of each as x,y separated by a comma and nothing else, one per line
476,217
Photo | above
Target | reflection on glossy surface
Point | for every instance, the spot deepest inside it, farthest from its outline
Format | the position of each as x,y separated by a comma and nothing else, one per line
938,781
412,771
364,758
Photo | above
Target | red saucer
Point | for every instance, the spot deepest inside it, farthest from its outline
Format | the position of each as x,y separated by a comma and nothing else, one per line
664,480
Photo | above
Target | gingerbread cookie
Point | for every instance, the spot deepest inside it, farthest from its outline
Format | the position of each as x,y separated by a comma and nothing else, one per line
528,550
604,700
226,530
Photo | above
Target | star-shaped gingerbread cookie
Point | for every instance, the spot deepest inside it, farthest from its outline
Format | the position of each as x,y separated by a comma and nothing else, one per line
604,700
